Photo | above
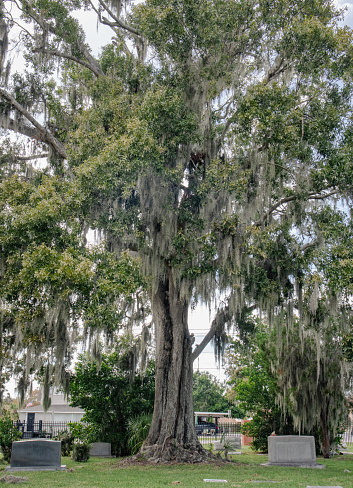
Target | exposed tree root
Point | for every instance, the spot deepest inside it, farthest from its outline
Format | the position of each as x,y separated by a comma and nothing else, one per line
172,451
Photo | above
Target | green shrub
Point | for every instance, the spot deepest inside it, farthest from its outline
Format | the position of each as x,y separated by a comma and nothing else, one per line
67,440
81,451
8,434
263,423
84,432
138,428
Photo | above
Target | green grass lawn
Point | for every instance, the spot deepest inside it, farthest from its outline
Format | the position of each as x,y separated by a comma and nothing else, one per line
242,473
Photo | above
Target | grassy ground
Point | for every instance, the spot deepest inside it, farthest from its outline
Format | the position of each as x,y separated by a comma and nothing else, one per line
245,471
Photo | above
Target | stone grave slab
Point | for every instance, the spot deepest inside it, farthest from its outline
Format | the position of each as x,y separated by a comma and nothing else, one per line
215,481
292,450
234,442
36,455
101,449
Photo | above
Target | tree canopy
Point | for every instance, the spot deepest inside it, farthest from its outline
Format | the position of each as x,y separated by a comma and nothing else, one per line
209,146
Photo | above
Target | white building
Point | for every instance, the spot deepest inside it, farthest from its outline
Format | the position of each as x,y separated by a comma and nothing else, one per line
34,418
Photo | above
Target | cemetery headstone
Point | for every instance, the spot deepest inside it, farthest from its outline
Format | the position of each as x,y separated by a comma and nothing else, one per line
292,450
233,442
36,455
101,449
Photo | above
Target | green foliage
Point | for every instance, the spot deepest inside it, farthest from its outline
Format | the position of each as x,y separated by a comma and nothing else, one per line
84,432
67,439
256,388
209,395
81,451
313,377
292,381
110,396
137,431
8,434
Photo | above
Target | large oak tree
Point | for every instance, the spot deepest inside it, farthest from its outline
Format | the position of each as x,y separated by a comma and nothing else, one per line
211,139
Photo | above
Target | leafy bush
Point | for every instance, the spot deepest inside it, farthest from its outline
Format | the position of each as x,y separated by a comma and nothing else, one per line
265,422
67,440
8,434
137,429
109,396
81,451
84,432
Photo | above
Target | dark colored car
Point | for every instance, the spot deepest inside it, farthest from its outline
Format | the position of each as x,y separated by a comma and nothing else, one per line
206,428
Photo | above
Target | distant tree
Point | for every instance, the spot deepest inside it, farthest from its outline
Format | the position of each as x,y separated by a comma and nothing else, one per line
297,386
255,390
210,395
111,395
10,406
313,378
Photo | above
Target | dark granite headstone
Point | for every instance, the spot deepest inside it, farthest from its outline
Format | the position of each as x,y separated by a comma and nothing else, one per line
101,449
35,455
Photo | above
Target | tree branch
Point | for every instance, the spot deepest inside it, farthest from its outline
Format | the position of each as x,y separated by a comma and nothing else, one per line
279,67
34,156
41,132
117,22
222,317
48,27
52,52
283,201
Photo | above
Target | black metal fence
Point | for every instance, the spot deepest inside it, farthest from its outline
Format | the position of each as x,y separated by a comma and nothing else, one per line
206,434
209,433
40,429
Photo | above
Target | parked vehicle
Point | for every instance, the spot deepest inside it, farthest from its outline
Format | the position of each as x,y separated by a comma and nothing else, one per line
206,428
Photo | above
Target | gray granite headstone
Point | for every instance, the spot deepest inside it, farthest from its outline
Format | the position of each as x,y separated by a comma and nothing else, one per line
101,449
36,455
233,442
292,450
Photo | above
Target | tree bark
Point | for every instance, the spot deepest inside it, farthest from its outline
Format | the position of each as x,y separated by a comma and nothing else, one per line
326,445
172,436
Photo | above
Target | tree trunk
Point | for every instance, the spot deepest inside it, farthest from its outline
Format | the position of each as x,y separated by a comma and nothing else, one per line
172,436
326,444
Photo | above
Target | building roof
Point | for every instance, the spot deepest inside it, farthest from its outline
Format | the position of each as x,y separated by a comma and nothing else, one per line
212,414
53,409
